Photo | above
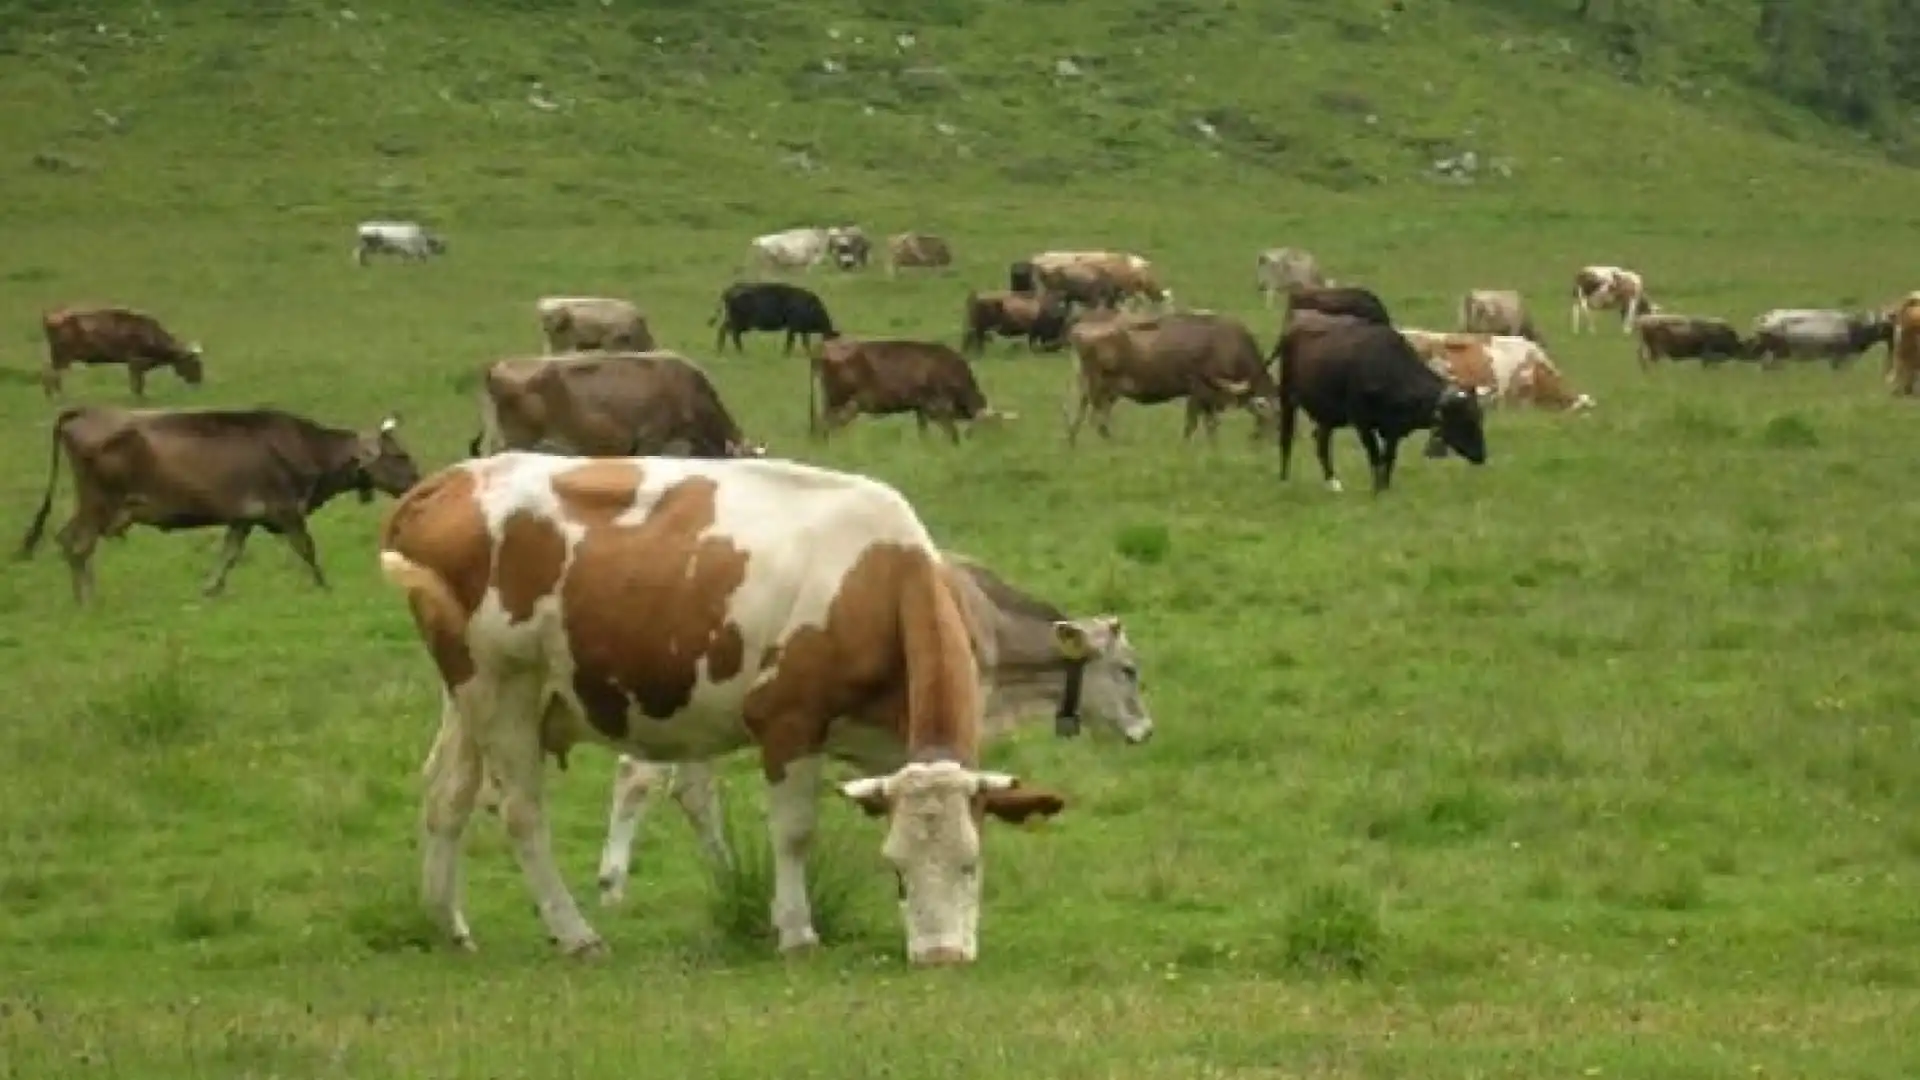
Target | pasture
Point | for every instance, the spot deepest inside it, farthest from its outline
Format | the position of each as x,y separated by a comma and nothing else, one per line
1596,761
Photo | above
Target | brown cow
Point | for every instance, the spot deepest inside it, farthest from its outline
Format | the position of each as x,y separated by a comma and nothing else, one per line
1496,311
882,378
1041,318
606,404
576,323
1688,337
176,469
680,610
114,335
910,249
1210,360
1903,359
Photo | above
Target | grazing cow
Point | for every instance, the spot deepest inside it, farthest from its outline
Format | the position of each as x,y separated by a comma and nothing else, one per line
911,249
882,378
1345,371
1098,278
1839,337
1210,360
409,240
114,335
849,246
768,306
187,469
1350,301
1277,270
1020,277
1496,311
1041,662
679,610
1902,365
1041,318
792,249
606,404
1499,368
1601,288
1687,337
575,323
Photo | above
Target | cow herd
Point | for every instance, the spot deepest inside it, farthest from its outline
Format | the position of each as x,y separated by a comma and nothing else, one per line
616,562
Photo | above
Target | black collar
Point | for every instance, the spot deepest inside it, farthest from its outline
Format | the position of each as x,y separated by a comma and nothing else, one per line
1066,719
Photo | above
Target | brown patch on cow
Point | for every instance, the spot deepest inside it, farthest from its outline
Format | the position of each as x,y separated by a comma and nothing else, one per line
533,552
646,601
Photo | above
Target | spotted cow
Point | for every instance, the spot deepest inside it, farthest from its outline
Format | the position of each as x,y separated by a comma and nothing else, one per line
1604,288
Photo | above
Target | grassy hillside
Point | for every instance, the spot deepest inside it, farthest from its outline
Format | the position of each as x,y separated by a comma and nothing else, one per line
1597,761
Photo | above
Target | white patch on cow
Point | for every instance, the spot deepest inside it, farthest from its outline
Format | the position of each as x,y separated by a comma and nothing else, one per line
389,424
1334,485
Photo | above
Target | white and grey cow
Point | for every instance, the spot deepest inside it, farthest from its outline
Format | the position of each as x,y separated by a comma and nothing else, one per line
408,239
1839,337
805,248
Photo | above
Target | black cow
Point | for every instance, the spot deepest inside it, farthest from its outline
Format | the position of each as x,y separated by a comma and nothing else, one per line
1020,277
771,305
1351,301
1348,372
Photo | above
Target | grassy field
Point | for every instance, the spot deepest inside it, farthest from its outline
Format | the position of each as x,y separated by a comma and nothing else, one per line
1597,761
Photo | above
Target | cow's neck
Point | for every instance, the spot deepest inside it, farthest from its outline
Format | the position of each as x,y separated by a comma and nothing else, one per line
334,452
1029,675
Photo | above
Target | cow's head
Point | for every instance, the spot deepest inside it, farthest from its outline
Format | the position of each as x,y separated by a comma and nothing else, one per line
382,464
934,811
436,244
190,365
1108,672
1458,425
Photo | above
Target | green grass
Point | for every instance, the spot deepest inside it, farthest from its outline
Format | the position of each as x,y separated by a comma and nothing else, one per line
1597,761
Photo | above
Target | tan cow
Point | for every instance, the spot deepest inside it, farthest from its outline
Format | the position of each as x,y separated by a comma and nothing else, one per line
1505,368
1099,278
606,404
1212,361
1903,359
911,249
1603,288
1496,311
683,609
1042,663
114,335
577,323
886,377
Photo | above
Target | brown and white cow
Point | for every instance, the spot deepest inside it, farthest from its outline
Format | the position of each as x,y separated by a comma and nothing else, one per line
889,376
114,335
606,404
575,323
1903,358
1496,311
1099,278
682,609
1604,288
1042,662
1210,360
1500,368
912,249
174,469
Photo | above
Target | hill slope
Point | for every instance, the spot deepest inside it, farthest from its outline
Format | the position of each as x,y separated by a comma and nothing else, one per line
681,113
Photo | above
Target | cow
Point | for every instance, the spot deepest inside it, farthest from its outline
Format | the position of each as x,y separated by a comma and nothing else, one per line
886,377
1687,337
767,306
1098,278
1497,311
1352,301
1839,337
849,246
912,249
1499,368
1276,270
606,404
1352,372
1041,318
1210,360
680,610
1902,365
1020,277
574,323
114,335
792,249
409,240
175,469
1042,662
1601,288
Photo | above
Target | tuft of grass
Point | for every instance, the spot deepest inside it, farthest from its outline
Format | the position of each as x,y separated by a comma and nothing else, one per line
1333,927
740,895
1789,431
160,708
1146,543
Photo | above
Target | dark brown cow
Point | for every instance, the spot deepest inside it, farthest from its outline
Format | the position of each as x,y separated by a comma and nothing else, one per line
1348,300
1210,360
613,404
114,335
1688,337
175,469
883,378
1041,318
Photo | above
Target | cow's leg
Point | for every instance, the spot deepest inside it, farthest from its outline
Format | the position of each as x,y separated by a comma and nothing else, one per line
50,377
793,805
1103,416
1389,454
230,550
137,380
1192,419
697,792
1323,451
77,539
787,349
1080,403
1376,457
1289,417
634,784
504,716
294,532
453,780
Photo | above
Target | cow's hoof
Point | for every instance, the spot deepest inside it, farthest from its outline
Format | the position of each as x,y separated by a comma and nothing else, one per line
591,950
463,943
801,946
1335,486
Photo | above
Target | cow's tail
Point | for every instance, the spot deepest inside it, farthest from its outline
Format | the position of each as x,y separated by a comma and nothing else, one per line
437,612
39,526
943,676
